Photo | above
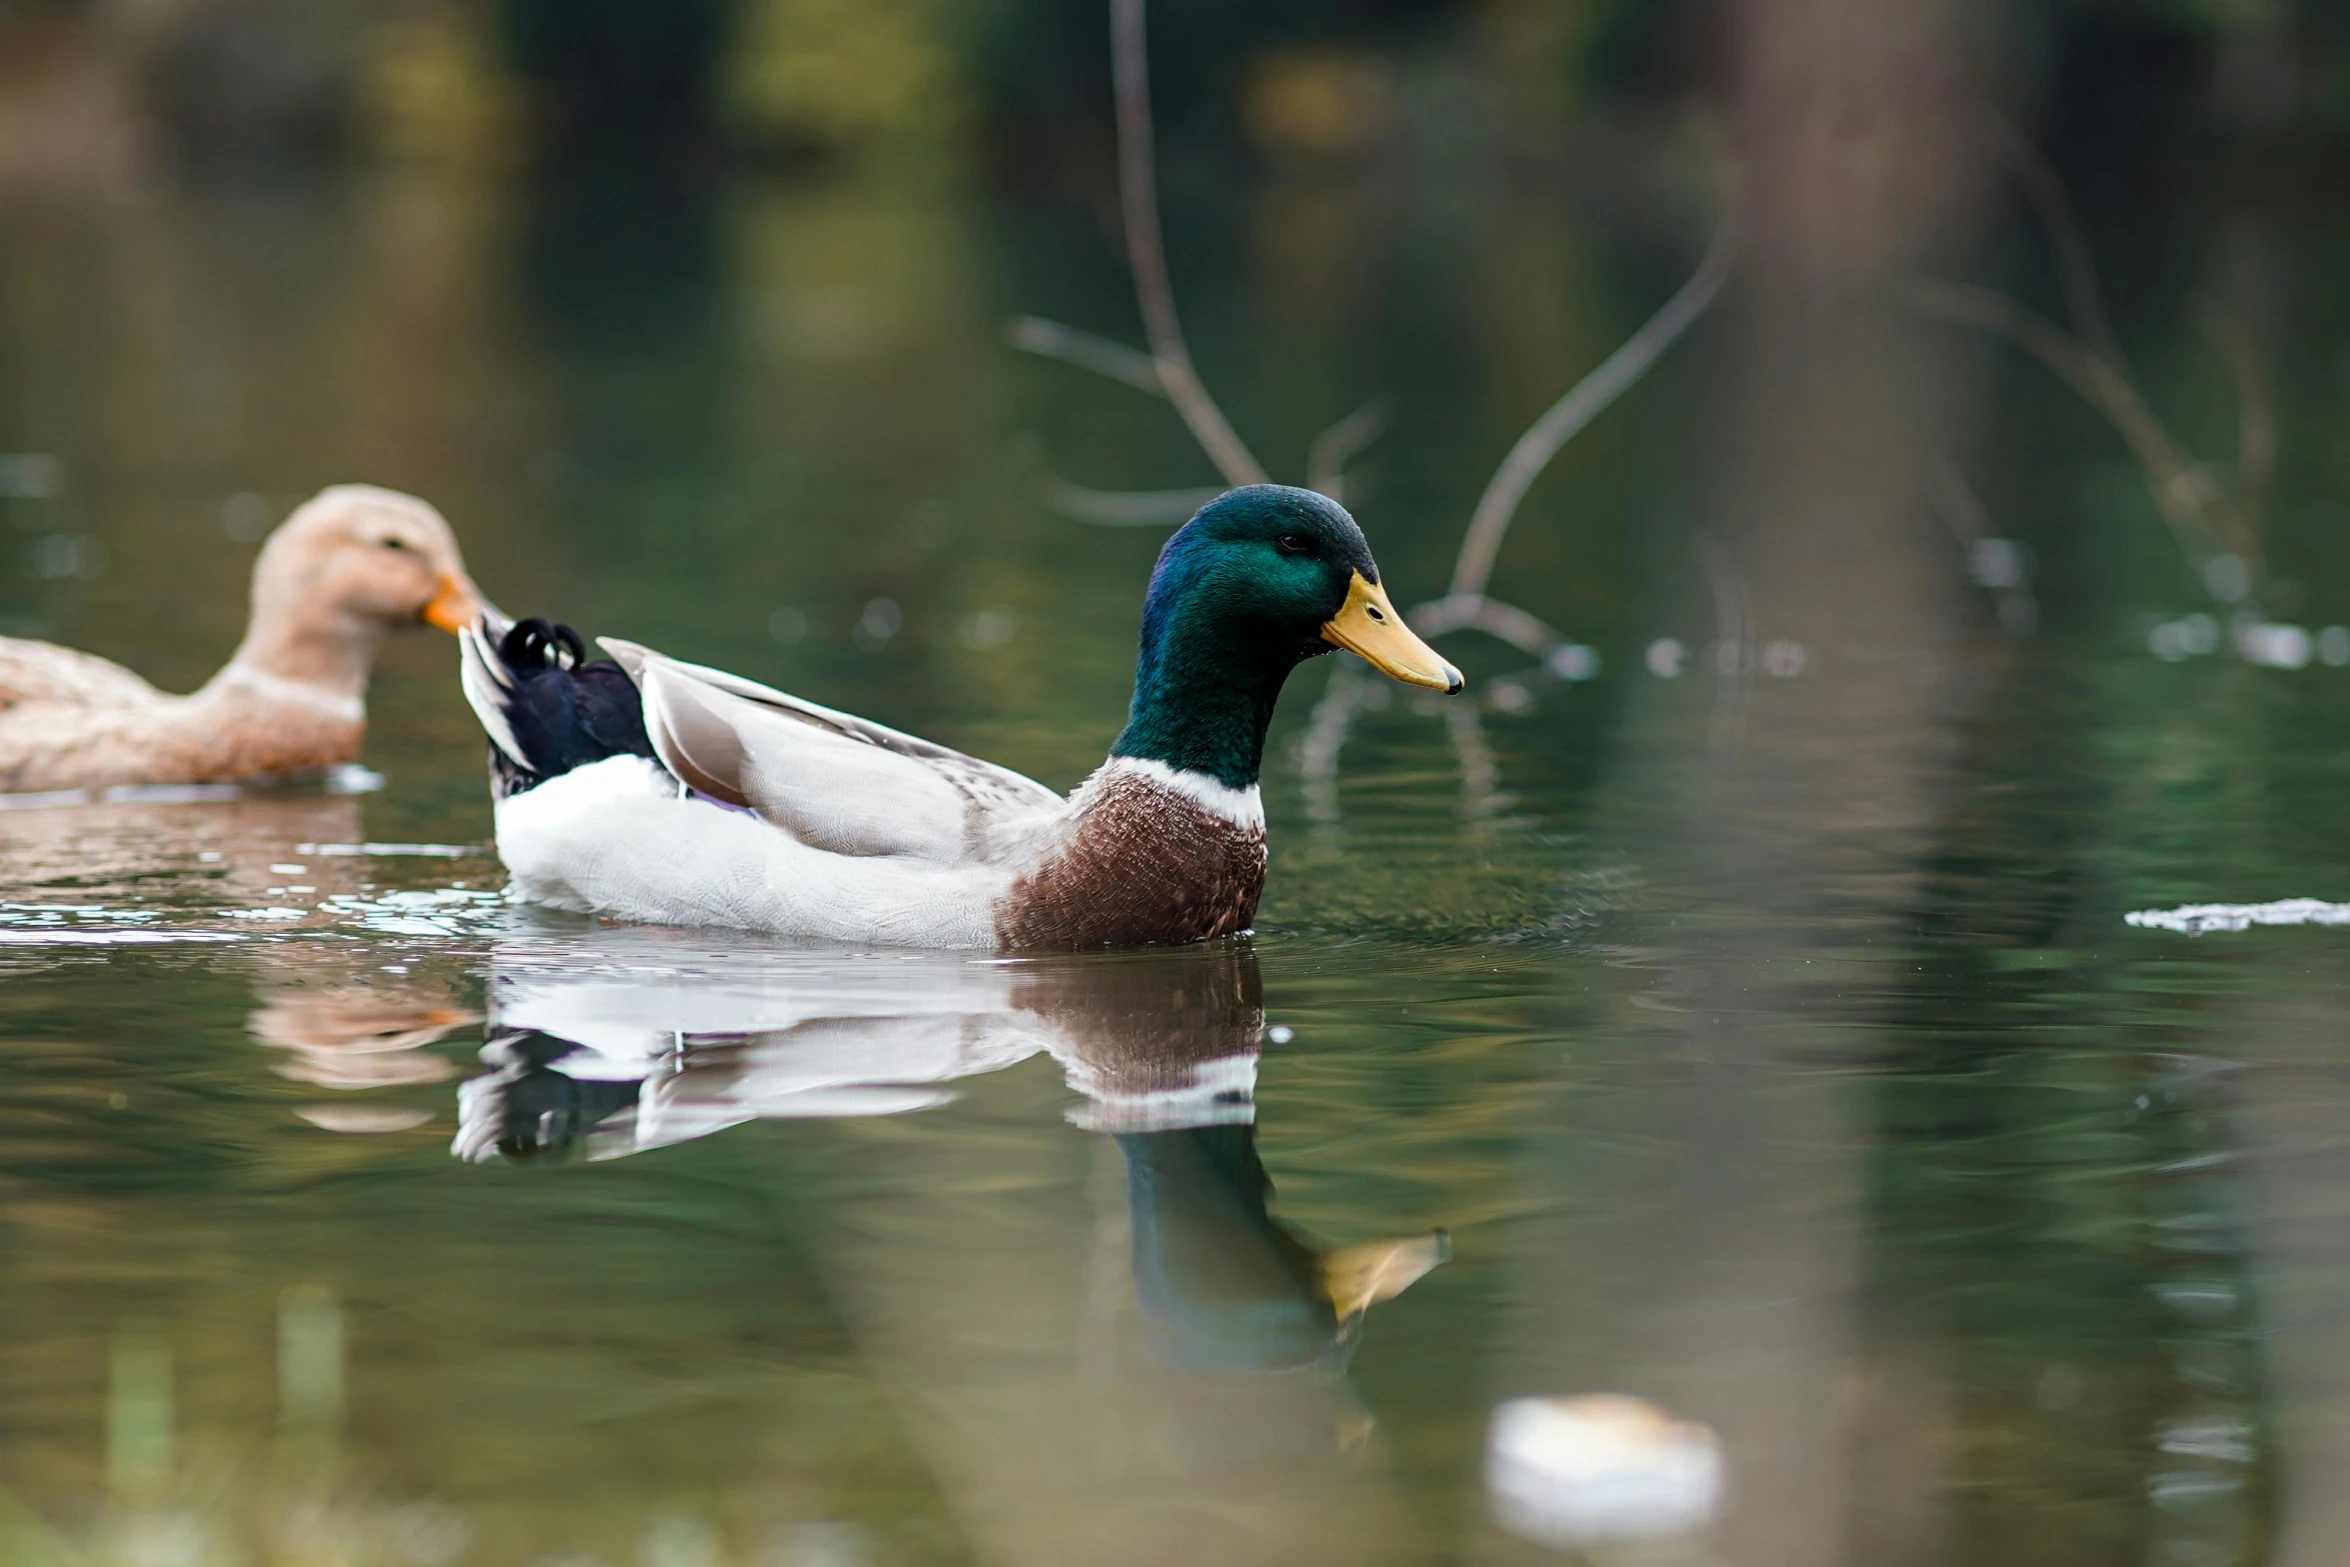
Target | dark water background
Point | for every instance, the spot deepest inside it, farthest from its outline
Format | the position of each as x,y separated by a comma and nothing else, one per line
1771,1045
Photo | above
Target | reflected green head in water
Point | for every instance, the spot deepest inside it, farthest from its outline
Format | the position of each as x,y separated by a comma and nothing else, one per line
1225,1286
1263,578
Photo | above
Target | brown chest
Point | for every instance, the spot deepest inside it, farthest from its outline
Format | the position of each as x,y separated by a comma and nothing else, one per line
1143,866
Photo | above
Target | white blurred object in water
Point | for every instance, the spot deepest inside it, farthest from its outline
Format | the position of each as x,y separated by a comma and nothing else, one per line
1664,657
2194,919
352,778
1572,1472
2277,646
2225,578
2190,636
1505,695
991,627
1998,563
1572,661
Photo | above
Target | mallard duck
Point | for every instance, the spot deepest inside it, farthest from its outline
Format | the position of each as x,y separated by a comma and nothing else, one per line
650,789
349,565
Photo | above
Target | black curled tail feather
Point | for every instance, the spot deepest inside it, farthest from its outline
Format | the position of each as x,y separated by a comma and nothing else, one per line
534,644
546,708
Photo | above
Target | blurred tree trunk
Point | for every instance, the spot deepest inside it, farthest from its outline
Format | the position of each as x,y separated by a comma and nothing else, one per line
1711,1254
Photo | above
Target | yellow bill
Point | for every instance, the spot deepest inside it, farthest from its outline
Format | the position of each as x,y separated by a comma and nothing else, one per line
1368,624
454,606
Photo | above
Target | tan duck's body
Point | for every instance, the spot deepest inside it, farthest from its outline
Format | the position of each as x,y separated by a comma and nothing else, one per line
233,728
349,566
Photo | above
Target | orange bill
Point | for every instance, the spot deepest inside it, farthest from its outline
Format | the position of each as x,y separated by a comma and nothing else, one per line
455,606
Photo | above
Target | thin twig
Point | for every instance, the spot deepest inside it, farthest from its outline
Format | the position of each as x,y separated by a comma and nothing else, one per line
2068,245
1481,794
1325,736
1087,351
1615,375
2199,515
1152,291
1476,612
1335,447
1121,508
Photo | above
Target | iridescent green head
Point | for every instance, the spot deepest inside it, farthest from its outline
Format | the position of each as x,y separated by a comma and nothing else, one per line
1260,580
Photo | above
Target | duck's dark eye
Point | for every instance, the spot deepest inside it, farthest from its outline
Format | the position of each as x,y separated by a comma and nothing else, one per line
1291,544
393,544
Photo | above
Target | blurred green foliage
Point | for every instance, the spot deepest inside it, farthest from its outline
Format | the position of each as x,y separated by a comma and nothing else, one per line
1022,81
843,73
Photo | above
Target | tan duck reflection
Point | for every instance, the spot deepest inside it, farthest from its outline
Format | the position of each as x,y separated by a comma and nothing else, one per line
346,1031
356,1036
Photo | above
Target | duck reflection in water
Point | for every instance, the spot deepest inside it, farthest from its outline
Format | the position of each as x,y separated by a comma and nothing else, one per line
660,1039
658,1042
1228,1294
351,1036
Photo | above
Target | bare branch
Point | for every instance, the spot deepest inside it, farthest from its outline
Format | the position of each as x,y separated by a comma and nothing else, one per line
2076,271
1087,351
1325,736
1121,508
1334,448
2199,515
1615,375
1481,794
1138,198
1476,612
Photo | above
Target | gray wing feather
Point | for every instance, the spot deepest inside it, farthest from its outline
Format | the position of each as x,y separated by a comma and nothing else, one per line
984,777
832,781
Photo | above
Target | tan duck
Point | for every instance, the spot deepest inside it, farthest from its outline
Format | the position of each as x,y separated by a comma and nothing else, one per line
351,564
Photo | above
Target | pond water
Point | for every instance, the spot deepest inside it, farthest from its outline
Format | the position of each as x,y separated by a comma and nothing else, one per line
1755,1028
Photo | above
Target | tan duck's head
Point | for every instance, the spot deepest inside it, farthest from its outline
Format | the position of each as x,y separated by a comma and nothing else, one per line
350,564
